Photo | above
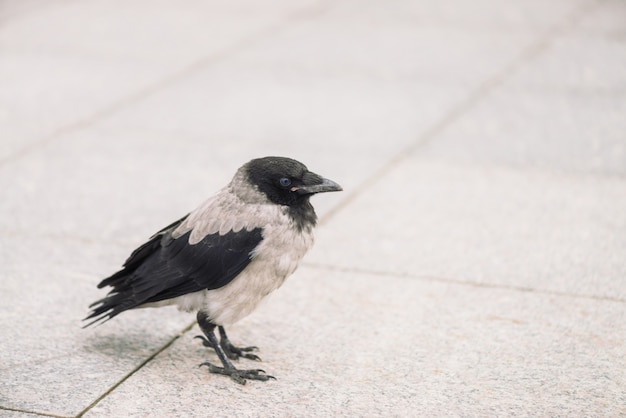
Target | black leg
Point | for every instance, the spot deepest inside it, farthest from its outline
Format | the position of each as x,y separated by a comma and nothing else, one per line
234,352
238,376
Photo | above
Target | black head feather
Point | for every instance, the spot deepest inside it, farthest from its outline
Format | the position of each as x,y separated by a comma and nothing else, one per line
286,181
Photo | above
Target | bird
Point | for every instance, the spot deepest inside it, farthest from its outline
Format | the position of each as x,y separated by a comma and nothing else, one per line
221,259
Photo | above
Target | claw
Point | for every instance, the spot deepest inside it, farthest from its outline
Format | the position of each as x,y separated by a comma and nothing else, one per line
239,376
251,357
234,353
231,351
205,342
251,348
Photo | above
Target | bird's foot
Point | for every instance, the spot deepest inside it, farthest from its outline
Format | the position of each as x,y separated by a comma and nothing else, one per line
234,352
231,351
237,375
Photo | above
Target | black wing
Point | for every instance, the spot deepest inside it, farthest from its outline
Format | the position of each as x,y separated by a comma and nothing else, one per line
166,267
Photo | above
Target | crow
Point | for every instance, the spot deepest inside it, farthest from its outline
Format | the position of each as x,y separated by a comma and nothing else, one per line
223,258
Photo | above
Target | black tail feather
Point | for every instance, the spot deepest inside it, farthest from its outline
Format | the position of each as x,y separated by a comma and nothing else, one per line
104,309
120,298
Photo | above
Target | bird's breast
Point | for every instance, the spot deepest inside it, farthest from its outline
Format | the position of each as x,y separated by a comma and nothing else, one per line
275,258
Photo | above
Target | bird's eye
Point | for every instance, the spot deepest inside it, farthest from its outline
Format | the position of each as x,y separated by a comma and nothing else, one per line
285,182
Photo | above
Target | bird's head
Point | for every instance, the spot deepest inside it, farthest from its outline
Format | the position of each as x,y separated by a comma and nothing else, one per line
285,181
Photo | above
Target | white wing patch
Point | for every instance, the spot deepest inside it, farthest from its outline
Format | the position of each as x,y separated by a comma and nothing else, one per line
231,209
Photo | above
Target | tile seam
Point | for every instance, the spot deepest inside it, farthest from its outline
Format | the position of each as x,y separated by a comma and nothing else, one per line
459,282
135,370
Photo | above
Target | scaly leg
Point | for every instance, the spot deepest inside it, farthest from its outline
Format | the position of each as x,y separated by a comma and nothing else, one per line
232,352
238,376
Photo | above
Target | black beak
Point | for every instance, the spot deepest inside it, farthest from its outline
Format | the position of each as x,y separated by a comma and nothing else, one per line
314,183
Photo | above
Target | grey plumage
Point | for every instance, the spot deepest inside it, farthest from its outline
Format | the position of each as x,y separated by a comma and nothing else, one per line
224,257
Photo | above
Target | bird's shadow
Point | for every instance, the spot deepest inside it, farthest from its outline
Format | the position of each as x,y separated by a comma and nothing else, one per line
138,343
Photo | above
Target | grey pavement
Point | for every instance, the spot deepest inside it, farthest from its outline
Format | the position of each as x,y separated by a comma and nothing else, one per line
475,264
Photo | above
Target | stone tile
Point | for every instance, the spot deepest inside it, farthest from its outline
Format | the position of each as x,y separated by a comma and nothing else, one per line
306,89
6,413
12,10
67,64
346,344
346,127
124,186
159,32
607,20
480,276
562,110
290,112
388,52
492,15
37,103
573,66
48,363
486,224
569,132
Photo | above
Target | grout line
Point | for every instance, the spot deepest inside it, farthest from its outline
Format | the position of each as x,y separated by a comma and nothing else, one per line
461,282
461,108
136,369
26,411
168,80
